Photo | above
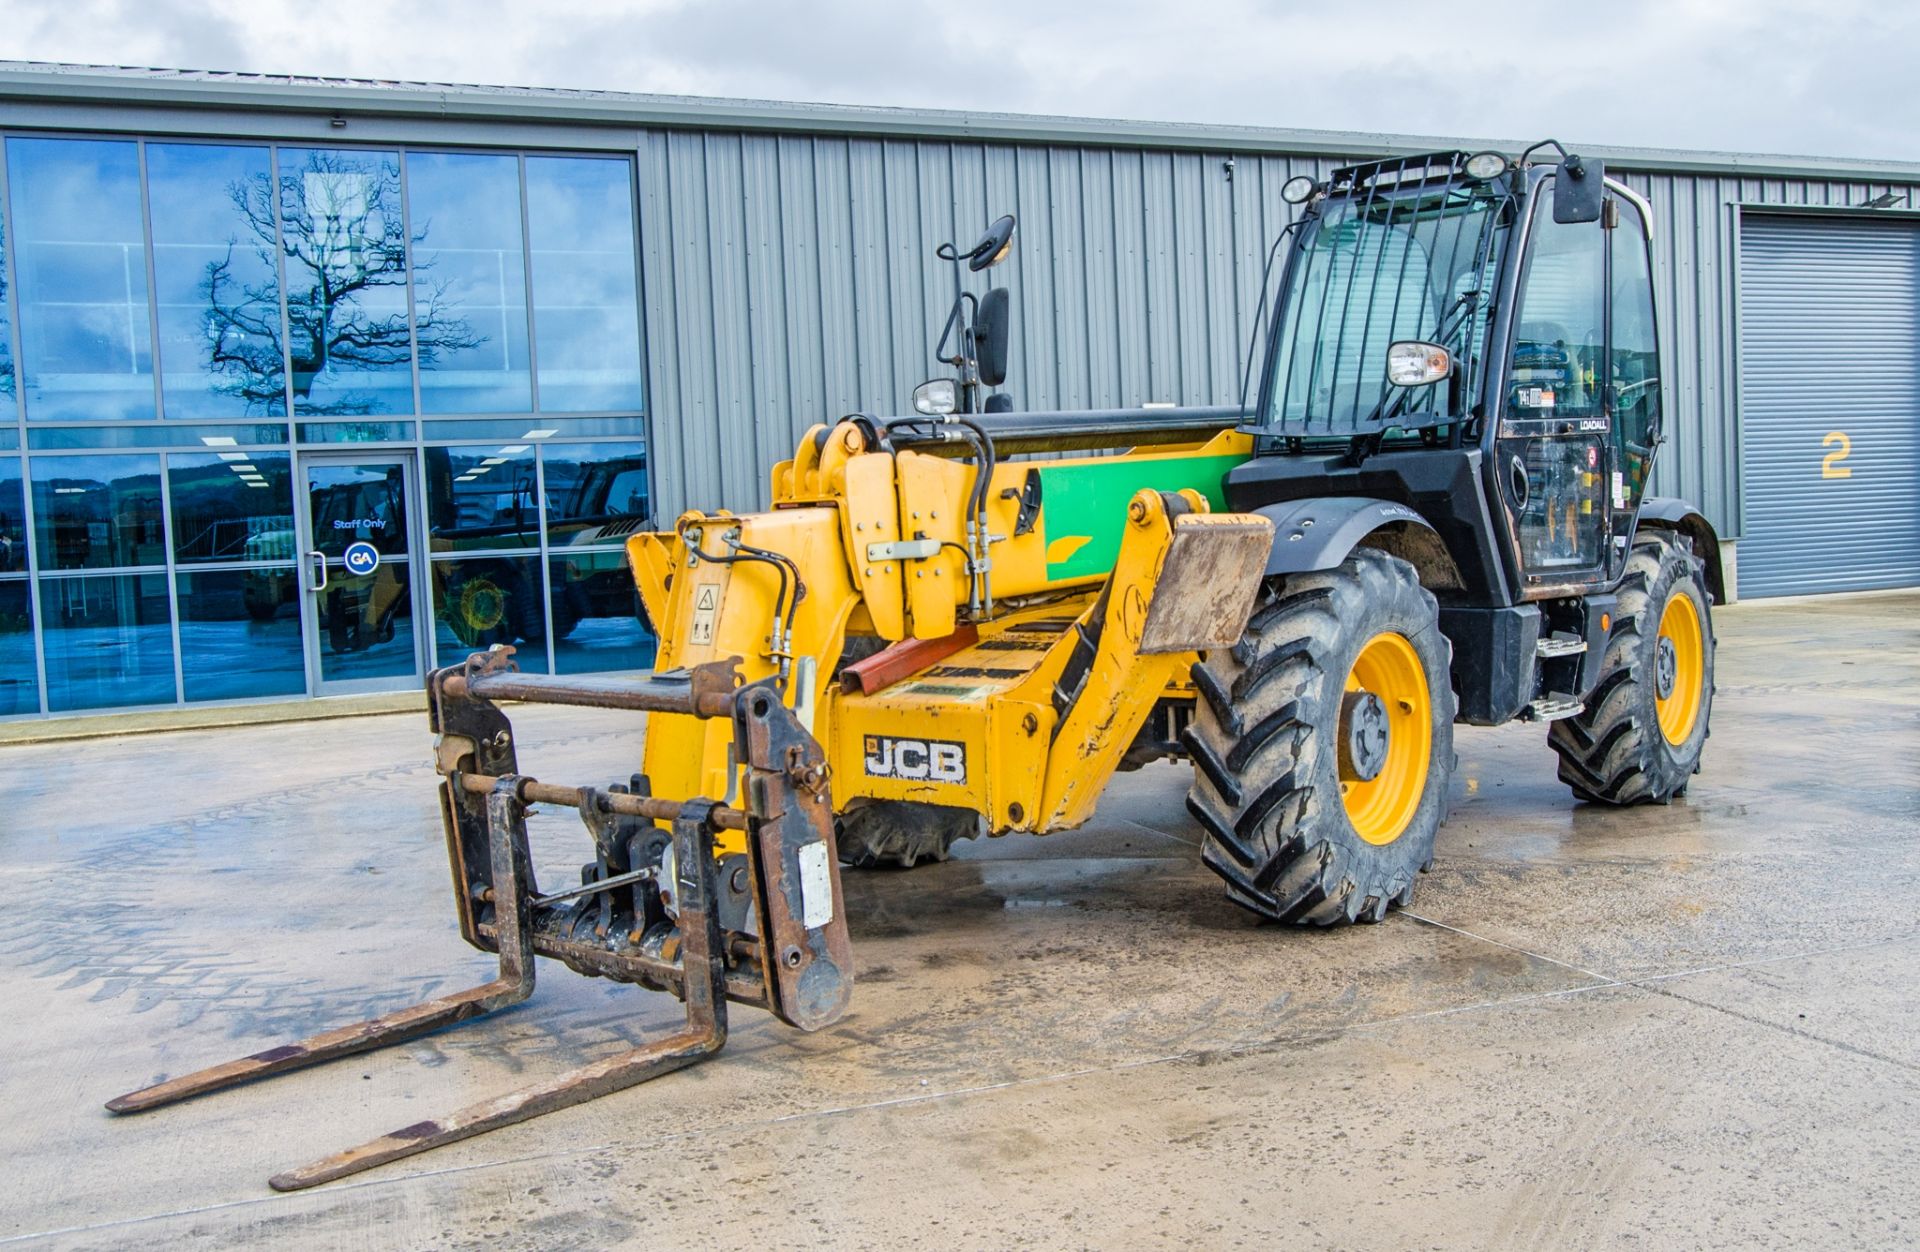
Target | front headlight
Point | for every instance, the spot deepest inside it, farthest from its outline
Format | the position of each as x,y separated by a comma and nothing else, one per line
1413,363
936,397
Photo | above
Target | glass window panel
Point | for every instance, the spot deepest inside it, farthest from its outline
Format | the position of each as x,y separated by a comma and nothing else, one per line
13,517
345,250
94,512
1562,323
366,624
86,344
481,601
152,435
231,506
19,685
545,426
586,307
596,492
1633,371
469,282
356,503
216,288
108,641
480,498
6,334
598,623
355,432
240,634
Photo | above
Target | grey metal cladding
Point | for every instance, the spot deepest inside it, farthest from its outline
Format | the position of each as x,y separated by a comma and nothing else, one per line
791,280
787,275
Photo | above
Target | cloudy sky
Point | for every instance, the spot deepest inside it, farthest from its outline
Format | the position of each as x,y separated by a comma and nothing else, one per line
1827,77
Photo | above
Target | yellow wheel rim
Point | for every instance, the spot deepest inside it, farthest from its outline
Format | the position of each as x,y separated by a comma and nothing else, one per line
482,605
1382,807
1679,668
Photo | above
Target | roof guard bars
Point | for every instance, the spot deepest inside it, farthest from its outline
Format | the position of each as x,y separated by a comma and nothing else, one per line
1395,171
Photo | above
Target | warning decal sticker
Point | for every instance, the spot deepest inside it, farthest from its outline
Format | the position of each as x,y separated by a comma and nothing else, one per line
706,609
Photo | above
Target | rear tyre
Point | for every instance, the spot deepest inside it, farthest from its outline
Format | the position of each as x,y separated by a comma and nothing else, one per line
1640,737
1322,745
875,834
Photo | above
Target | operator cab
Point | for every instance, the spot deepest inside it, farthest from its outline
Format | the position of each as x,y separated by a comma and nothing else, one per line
1460,302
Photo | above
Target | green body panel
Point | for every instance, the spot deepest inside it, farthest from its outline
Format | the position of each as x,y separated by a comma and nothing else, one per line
1090,499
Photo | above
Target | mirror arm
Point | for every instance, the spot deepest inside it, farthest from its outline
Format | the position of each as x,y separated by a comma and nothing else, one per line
954,317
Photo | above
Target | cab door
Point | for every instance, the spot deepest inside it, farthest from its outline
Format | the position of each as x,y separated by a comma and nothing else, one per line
1581,408
1634,382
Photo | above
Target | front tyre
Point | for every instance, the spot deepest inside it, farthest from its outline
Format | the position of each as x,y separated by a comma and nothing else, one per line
1322,745
1639,739
899,834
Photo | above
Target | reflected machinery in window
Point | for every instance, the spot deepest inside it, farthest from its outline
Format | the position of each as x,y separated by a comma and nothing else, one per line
19,678
488,505
596,497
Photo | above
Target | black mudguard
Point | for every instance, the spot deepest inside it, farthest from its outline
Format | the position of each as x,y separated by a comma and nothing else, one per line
1675,514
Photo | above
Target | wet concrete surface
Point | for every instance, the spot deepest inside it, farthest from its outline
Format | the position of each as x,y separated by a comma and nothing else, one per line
1682,1027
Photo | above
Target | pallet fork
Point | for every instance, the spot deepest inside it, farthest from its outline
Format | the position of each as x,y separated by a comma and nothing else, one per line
656,908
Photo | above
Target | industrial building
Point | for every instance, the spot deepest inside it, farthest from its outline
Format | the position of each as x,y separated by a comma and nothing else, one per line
314,384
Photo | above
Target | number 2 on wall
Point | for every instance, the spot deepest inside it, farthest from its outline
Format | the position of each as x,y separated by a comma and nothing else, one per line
1830,466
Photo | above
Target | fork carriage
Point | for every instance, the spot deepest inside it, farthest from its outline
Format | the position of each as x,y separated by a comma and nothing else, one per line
656,907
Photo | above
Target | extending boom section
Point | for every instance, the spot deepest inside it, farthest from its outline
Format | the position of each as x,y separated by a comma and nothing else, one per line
1034,613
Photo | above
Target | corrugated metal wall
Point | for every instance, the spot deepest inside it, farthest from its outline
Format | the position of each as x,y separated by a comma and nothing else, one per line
791,279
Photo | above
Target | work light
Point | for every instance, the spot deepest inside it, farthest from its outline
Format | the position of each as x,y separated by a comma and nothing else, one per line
1485,165
1298,189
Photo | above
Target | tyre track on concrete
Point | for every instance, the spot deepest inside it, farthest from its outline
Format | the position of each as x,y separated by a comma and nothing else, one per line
94,925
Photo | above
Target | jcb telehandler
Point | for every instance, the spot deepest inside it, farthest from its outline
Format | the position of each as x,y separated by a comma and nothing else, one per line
1434,513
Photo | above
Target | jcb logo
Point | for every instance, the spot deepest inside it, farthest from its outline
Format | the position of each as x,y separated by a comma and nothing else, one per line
916,760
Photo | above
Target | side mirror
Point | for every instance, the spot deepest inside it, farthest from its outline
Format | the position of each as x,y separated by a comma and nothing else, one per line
1578,189
1414,363
990,332
993,246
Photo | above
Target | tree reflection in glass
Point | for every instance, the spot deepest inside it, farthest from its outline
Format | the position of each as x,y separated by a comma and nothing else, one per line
216,285
343,241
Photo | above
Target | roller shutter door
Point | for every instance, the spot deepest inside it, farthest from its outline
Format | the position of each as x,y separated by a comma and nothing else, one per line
1830,404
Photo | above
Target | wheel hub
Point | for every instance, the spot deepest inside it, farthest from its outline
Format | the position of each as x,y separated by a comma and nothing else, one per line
1365,736
1666,668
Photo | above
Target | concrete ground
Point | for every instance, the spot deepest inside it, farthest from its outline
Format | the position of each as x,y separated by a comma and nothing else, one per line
1684,1027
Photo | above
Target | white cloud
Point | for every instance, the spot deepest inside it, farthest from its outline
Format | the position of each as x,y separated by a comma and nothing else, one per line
1749,75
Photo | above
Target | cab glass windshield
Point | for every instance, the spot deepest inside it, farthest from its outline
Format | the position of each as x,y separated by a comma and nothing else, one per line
1371,269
